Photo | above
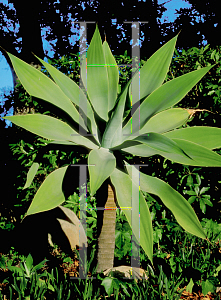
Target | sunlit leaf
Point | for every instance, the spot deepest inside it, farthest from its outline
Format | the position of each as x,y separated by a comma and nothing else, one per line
104,163
178,205
123,186
50,193
31,174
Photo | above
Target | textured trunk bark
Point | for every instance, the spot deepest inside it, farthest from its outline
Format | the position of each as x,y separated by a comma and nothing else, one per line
106,240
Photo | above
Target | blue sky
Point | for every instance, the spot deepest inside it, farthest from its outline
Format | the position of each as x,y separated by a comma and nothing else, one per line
5,73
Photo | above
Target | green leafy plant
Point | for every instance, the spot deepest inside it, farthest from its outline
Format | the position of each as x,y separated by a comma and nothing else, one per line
212,229
108,120
122,236
198,194
27,281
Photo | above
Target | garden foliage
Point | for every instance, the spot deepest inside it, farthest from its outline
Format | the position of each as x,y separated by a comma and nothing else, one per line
194,183
108,120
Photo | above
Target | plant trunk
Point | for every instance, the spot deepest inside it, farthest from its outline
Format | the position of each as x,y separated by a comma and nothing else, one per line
106,240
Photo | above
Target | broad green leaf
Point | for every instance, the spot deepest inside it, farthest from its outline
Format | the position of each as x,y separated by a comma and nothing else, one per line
138,150
108,284
123,188
28,264
50,128
17,270
97,78
207,287
39,266
201,156
165,96
154,71
190,285
73,92
118,239
209,137
31,174
179,206
163,121
159,143
104,163
113,133
39,85
113,75
50,193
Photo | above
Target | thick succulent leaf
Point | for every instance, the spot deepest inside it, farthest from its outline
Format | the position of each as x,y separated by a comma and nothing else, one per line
31,174
160,143
123,187
50,128
201,156
165,96
73,92
138,150
50,194
154,71
113,133
179,206
39,85
113,75
97,78
198,155
209,137
163,121
104,163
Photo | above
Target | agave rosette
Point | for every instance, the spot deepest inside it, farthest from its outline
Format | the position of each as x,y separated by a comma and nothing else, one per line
109,126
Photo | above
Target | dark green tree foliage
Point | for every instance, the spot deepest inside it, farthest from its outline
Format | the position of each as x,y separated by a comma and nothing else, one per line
200,23
149,11
57,19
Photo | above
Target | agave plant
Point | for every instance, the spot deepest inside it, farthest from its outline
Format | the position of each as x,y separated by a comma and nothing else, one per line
105,130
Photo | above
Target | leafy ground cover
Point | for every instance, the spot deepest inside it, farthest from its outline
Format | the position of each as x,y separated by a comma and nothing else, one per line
184,265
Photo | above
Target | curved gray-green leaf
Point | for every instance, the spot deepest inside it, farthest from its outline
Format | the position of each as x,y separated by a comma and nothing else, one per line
154,71
165,96
123,186
139,150
199,155
178,205
74,93
31,174
50,193
50,128
160,143
209,137
97,78
39,85
104,163
113,133
163,121
113,75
